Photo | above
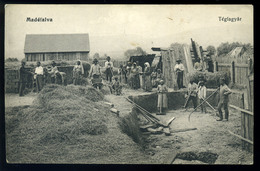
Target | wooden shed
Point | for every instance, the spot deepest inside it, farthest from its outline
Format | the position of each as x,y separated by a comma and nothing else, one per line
44,47
169,56
142,59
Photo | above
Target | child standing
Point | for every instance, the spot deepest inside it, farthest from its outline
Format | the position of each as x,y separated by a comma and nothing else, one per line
162,97
202,95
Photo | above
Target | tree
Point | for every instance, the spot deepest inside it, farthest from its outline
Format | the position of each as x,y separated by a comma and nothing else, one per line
225,48
11,60
211,49
96,56
134,52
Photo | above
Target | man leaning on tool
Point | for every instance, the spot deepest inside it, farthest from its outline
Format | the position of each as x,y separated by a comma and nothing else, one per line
224,92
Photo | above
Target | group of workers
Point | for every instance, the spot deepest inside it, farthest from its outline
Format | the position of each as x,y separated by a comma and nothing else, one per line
50,74
136,77
39,76
199,91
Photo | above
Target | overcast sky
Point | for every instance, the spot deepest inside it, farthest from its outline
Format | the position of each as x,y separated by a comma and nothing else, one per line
113,29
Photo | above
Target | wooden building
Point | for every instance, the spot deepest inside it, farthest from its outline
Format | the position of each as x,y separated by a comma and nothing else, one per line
44,47
169,57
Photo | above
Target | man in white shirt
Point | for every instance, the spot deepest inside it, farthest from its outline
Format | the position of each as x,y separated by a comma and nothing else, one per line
179,69
109,69
39,76
202,92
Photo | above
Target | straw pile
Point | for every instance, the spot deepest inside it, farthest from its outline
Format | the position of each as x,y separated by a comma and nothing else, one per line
212,79
68,125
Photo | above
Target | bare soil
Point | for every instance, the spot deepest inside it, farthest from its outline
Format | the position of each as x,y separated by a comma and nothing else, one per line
210,137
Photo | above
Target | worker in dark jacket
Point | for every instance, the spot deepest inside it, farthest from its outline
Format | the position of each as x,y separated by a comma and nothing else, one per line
22,78
224,92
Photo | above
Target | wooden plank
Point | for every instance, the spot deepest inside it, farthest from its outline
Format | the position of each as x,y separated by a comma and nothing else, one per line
170,157
170,121
246,129
251,131
241,65
243,128
242,110
244,139
250,127
183,130
146,126
223,64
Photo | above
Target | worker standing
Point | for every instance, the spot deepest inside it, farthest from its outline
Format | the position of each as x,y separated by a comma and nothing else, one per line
22,78
179,69
147,77
224,92
78,72
140,70
202,92
53,72
39,77
192,91
162,102
109,69
95,74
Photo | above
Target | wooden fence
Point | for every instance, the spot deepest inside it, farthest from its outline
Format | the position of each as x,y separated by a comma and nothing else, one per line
247,128
247,117
237,71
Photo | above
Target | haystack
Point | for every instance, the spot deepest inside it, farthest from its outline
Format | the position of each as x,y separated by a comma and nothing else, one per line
69,124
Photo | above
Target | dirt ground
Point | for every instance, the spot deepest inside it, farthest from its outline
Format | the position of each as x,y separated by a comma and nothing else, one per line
13,100
210,135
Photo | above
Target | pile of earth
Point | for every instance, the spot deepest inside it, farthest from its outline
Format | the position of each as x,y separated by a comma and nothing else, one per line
70,124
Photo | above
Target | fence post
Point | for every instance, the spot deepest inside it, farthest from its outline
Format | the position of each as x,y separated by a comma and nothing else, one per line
216,66
233,76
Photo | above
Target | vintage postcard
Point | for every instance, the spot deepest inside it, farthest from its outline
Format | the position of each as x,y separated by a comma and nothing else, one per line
129,84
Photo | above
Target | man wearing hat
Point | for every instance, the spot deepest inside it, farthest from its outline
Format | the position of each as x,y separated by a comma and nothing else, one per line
224,92
95,74
179,69
109,69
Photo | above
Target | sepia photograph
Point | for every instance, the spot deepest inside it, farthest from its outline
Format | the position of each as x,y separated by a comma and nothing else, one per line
129,84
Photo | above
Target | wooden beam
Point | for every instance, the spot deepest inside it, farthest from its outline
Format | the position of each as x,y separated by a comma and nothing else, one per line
242,138
170,121
242,110
183,130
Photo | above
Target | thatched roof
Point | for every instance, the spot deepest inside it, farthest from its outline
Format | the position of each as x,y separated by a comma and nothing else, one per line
42,43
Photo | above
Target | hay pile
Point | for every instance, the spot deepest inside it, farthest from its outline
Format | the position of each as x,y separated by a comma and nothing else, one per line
212,79
68,125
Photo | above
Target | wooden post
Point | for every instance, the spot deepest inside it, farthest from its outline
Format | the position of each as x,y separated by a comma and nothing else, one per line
233,76
216,66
